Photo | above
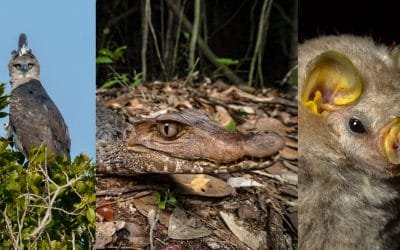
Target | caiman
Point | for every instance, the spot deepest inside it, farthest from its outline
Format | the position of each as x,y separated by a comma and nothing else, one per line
177,142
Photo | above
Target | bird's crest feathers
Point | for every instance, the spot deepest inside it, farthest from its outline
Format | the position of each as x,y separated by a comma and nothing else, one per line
22,47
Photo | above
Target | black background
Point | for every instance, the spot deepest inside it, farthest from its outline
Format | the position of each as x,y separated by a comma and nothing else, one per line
380,20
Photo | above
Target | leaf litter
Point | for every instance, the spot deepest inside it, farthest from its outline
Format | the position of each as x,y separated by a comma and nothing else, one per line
259,213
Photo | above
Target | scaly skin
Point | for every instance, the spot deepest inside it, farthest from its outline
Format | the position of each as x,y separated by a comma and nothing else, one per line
200,146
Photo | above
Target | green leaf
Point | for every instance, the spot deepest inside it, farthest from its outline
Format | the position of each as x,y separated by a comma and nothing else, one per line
157,195
91,215
13,186
103,60
118,52
227,61
232,126
80,186
161,205
186,35
109,83
106,31
172,201
3,144
106,52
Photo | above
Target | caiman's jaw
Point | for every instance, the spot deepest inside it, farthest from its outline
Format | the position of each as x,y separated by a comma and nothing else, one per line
157,162
191,135
187,142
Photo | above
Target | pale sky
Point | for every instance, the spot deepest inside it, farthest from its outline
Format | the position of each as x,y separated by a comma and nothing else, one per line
62,36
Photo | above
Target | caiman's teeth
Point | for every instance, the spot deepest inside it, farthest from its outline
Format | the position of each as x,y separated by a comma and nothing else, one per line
390,141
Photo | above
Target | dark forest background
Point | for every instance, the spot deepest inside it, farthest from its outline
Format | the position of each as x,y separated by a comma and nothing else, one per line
246,50
349,17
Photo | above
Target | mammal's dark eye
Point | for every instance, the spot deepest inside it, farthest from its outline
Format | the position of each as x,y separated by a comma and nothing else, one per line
168,129
30,65
17,66
356,126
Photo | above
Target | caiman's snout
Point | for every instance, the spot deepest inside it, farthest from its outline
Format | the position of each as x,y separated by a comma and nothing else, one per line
197,137
263,144
389,142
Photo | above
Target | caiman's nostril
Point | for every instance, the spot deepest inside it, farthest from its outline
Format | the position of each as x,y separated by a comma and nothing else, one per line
391,141
262,144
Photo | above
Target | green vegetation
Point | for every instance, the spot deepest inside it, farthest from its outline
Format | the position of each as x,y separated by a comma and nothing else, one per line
252,42
164,198
110,58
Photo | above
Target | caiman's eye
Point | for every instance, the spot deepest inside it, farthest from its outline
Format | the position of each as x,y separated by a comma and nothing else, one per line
17,66
168,129
30,65
356,126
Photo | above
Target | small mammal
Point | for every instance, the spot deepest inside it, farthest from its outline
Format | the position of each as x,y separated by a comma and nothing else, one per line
349,150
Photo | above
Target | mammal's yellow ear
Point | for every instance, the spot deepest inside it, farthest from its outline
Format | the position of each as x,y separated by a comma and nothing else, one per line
389,141
332,80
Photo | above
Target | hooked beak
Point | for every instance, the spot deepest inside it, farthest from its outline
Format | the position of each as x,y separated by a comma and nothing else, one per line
24,68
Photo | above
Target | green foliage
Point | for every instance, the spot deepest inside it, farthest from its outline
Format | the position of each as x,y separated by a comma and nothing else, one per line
186,35
266,32
46,202
232,126
107,56
124,79
110,58
165,198
4,100
227,61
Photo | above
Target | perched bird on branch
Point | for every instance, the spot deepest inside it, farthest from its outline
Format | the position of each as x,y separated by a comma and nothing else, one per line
34,118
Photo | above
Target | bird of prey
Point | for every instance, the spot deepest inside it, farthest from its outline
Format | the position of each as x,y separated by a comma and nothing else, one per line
34,118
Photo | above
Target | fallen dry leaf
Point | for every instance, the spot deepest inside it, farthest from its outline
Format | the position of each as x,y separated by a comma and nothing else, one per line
265,124
105,232
275,169
248,212
147,203
106,212
201,184
291,142
286,118
181,227
288,153
241,108
223,116
173,247
289,176
238,182
255,240
138,237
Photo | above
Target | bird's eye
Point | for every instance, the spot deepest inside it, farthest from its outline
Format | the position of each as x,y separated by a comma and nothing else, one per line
168,129
17,66
356,126
30,65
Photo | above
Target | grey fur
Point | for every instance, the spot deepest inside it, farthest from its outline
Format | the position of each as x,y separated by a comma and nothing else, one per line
348,200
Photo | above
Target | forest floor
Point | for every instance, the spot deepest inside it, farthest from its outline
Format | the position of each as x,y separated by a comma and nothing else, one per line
261,213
